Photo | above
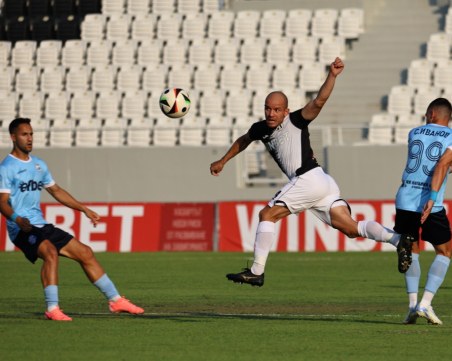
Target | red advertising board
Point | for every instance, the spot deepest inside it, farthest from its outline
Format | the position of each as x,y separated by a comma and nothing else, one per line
133,227
303,233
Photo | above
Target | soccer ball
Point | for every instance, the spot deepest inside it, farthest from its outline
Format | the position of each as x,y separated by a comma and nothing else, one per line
174,102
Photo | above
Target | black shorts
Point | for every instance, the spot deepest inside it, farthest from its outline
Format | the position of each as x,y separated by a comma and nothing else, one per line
435,230
28,242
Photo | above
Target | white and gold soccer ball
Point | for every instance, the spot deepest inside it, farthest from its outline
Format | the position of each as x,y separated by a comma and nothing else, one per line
174,102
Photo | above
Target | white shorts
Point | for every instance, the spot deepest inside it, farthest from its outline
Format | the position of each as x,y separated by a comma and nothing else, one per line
315,191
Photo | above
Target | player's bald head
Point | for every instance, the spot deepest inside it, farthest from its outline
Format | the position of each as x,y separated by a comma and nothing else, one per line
278,96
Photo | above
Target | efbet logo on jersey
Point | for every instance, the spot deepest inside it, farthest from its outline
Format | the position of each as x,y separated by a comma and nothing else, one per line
31,185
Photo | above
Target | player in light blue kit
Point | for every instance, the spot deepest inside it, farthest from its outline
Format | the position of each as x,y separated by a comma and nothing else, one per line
426,145
22,178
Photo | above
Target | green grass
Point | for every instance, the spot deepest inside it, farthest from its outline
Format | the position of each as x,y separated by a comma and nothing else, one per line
323,306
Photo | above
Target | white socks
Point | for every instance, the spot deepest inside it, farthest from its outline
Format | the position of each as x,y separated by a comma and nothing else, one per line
264,240
374,230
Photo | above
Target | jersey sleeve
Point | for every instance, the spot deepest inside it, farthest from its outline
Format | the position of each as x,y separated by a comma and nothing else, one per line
297,119
258,130
5,181
47,179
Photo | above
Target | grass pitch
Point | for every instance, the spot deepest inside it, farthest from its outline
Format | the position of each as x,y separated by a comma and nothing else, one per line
313,306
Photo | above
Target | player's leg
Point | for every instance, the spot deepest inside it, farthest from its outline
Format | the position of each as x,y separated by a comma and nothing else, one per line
412,278
265,237
84,255
49,278
435,230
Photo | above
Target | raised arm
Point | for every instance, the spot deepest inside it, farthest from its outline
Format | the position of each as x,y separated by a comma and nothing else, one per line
238,146
441,169
66,199
313,108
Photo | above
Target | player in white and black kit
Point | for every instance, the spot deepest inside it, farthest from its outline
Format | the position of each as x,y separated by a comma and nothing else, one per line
286,137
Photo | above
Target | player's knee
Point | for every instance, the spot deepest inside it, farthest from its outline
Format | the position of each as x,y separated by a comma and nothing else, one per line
85,253
48,252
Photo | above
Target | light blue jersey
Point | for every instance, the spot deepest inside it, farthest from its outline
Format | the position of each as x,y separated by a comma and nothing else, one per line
426,144
24,180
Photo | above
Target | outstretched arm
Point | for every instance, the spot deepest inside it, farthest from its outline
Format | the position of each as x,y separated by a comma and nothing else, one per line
313,108
66,199
238,146
441,169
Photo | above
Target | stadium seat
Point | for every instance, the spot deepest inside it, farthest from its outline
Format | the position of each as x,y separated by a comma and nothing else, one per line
297,98
238,103
51,80
381,129
129,78
218,135
423,97
92,27
42,28
87,133
138,7
191,131
272,24
30,106
226,51
78,79
232,77
113,7
139,132
438,47
26,80
258,76
73,53
180,76
16,29
194,26
61,137
278,51
8,103
23,54
124,54
107,106
258,102
419,74
98,53
154,79
149,53
55,106
399,100
304,50
165,131
63,8
188,7
103,79
169,26
6,79
67,28
153,107
285,76
298,23
48,53
210,6
113,133
252,51
331,47
118,27
200,51
133,105
5,53
311,76
175,52
324,22
442,74
81,106
246,24
220,25
13,8
206,77
144,27
40,136
163,6
350,23
211,103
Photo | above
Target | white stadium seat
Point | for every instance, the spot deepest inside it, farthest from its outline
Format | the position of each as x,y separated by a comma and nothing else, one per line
220,25
144,27
78,79
48,53
118,27
419,74
23,54
298,23
138,7
400,99
92,27
73,53
194,26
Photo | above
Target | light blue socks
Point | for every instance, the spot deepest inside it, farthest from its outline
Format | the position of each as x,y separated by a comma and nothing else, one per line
51,297
107,287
